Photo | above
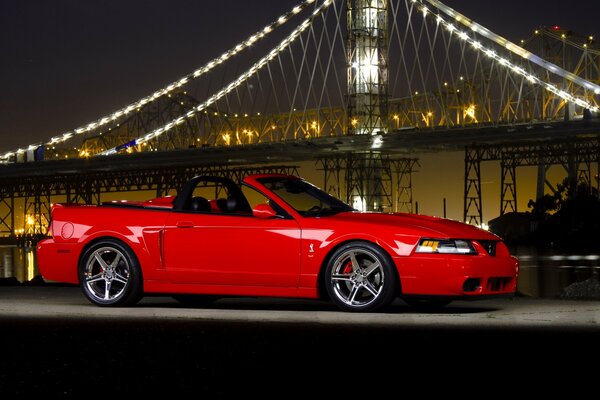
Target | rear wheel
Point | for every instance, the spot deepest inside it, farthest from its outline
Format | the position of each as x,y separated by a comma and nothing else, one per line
360,277
110,274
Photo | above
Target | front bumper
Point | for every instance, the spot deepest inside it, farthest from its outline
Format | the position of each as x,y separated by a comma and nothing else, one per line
457,276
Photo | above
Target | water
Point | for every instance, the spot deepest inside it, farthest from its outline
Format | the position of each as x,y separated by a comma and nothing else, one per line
544,273
18,262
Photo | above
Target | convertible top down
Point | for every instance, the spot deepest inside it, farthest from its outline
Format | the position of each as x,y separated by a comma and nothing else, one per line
272,235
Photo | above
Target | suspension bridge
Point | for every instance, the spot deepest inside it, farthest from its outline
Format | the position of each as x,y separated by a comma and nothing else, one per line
360,87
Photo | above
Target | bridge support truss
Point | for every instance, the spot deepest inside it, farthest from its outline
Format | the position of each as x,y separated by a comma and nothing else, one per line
576,155
370,181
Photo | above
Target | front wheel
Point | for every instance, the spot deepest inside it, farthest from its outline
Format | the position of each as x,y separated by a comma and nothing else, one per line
110,274
360,277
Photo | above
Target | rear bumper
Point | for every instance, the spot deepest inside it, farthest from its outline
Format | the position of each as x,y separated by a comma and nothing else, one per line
466,277
58,261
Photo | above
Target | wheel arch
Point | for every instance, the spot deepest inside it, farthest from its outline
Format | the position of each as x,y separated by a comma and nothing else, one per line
321,276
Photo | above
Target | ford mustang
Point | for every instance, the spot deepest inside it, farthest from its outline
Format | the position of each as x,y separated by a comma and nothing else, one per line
271,235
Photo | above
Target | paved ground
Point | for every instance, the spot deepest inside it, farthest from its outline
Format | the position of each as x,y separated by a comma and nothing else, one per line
53,342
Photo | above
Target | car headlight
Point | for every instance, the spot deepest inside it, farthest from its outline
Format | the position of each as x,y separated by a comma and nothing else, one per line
443,246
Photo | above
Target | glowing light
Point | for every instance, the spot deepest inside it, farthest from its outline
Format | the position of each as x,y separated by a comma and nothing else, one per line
359,203
236,83
521,53
377,142
182,81
470,112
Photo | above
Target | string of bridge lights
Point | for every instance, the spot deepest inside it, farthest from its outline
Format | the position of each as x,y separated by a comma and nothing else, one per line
253,39
261,63
229,88
513,67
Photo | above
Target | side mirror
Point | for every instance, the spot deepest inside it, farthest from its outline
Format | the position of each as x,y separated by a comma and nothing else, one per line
263,211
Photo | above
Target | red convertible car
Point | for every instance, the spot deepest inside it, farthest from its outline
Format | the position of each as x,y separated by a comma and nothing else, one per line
272,235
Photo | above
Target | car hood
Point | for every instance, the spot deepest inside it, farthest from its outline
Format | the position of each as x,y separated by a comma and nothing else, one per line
420,225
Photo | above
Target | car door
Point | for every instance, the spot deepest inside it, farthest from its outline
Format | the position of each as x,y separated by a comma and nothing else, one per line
230,249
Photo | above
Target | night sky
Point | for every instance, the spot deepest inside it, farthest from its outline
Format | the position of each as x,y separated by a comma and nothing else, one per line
66,62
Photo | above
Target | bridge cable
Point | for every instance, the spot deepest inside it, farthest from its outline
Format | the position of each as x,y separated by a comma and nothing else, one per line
252,40
510,46
233,85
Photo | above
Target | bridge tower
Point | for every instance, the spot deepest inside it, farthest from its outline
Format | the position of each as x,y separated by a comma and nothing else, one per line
367,66
367,58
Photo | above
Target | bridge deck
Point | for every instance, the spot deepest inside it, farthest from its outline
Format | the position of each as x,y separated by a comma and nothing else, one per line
401,143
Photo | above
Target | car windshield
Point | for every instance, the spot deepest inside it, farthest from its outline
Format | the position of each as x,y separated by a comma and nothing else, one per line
306,199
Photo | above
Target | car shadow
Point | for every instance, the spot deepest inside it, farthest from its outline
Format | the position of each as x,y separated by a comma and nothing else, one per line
274,304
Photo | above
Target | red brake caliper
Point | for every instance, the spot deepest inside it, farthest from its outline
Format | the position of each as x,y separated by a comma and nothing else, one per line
347,268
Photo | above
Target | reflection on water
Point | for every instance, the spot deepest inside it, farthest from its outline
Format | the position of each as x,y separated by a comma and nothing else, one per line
544,273
18,262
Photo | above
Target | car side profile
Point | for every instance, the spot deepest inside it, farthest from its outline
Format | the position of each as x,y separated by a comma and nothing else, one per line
271,235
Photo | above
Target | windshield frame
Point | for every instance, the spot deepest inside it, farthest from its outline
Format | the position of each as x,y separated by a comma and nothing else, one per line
334,205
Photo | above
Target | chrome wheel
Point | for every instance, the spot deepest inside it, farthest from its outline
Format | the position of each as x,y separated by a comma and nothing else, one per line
106,274
357,277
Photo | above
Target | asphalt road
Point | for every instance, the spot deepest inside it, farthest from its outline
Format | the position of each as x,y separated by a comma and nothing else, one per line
53,342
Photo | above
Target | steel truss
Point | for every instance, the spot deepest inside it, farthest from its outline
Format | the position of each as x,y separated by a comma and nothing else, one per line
370,180
86,188
576,156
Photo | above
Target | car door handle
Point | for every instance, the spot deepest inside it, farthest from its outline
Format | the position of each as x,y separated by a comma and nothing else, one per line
184,224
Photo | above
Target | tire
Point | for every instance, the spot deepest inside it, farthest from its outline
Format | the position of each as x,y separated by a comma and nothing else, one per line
106,285
195,300
427,304
360,277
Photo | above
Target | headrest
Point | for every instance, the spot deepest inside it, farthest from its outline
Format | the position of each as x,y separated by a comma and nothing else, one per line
227,205
199,204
